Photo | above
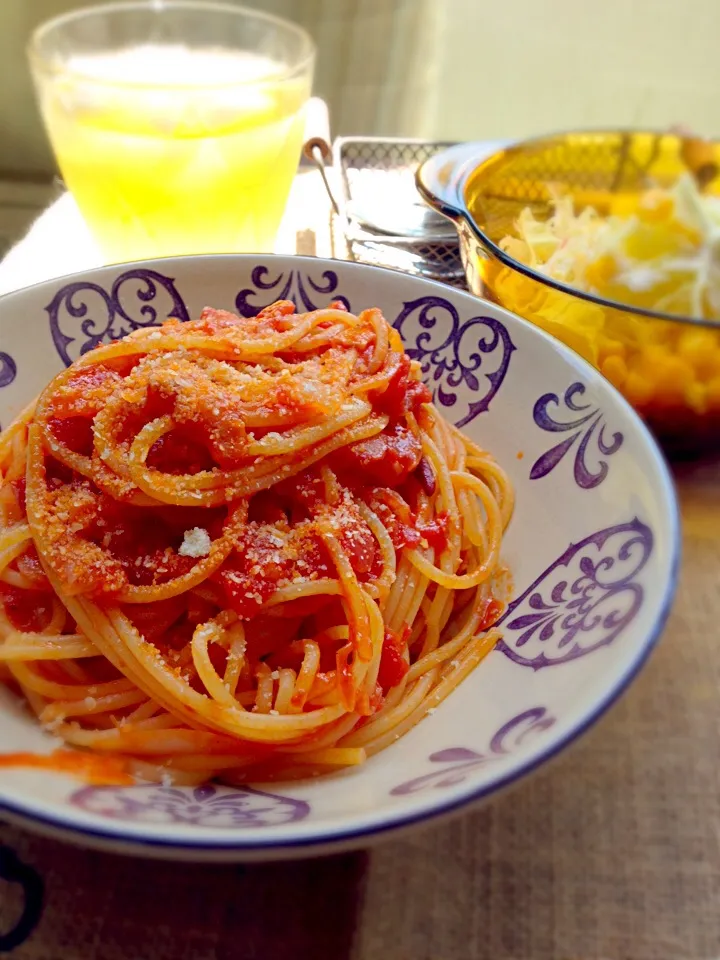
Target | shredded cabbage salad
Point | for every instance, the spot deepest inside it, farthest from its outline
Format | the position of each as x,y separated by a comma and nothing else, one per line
659,250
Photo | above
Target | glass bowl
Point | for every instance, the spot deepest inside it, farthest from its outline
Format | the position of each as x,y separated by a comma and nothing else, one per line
667,366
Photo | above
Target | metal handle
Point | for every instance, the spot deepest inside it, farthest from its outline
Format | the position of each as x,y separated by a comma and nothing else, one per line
319,152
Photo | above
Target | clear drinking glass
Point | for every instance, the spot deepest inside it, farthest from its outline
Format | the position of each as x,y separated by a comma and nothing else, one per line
177,124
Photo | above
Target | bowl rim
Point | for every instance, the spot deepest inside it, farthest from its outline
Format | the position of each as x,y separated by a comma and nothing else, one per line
334,836
467,168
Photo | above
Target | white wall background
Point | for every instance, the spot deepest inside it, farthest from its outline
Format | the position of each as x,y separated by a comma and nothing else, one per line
519,67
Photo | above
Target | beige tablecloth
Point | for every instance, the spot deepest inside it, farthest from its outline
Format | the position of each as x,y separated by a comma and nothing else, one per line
612,852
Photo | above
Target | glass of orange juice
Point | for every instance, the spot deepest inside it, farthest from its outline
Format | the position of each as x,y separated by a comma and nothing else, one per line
177,124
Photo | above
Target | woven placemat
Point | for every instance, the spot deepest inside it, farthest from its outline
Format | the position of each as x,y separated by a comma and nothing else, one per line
612,852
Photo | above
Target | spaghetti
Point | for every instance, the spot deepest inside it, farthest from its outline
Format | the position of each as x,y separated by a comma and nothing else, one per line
244,548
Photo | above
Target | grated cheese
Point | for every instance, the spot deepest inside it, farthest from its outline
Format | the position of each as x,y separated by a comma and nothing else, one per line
196,543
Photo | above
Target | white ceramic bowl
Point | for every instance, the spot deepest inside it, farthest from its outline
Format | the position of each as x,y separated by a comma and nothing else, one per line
593,547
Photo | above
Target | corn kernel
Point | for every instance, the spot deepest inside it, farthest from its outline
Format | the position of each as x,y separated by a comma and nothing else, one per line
601,271
638,390
700,347
657,205
610,348
573,338
712,364
623,204
625,328
651,331
712,394
696,397
616,371
650,241
672,378
651,359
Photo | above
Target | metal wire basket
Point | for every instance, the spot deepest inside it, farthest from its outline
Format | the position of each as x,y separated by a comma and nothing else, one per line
379,174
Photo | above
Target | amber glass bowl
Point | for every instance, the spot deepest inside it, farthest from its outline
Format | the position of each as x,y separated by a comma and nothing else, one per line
667,366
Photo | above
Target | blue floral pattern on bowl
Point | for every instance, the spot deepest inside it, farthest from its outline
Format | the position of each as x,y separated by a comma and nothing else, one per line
206,806
305,292
463,363
582,601
8,369
457,762
589,427
84,314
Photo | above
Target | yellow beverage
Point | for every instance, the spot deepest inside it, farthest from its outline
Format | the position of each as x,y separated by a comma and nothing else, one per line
172,150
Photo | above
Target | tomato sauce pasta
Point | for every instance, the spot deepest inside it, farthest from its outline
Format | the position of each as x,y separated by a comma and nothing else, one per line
244,548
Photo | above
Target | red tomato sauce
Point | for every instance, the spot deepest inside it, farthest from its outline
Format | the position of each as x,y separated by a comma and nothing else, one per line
27,610
73,432
492,613
265,560
393,664
93,768
403,394
179,452
386,459
435,532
